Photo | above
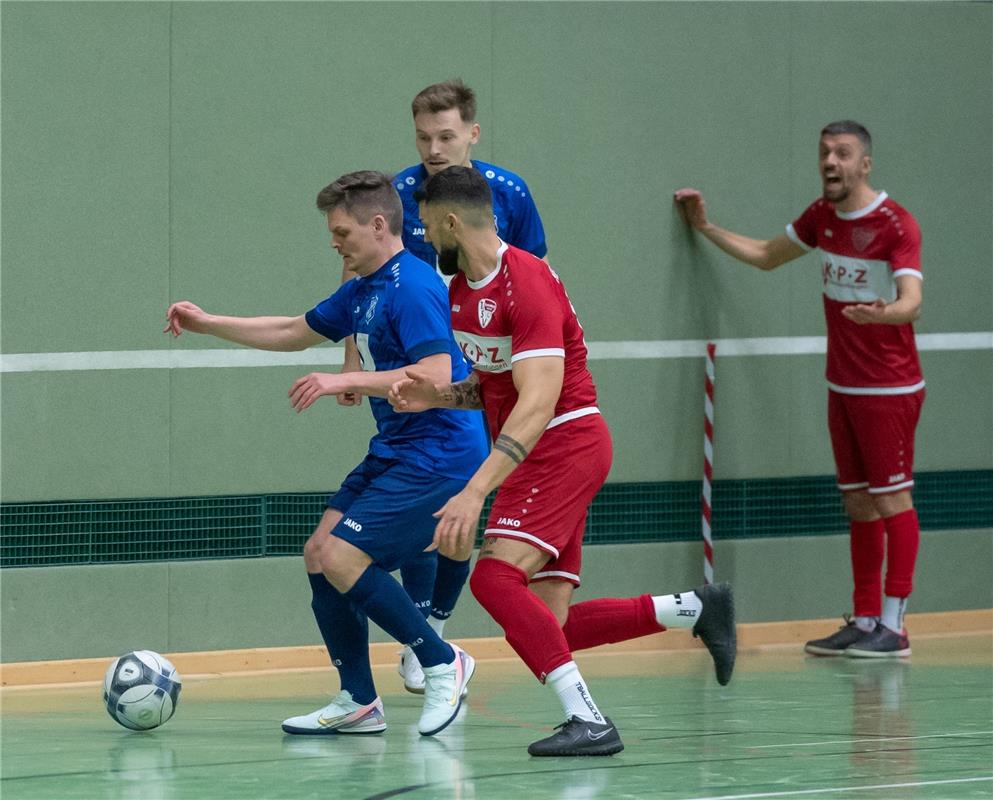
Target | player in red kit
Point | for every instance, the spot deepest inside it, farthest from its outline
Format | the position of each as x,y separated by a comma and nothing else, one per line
551,454
870,250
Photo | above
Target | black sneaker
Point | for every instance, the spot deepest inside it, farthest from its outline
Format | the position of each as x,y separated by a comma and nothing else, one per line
881,643
577,737
715,628
837,643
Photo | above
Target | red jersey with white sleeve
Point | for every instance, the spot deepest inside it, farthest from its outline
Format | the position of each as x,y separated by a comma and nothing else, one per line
863,253
518,311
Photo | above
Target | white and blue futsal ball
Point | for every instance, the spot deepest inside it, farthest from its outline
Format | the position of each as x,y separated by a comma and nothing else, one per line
141,690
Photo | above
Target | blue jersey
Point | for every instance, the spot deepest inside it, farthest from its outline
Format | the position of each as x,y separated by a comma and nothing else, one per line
399,315
514,211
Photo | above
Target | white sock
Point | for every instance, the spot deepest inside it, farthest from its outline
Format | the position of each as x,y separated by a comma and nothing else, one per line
893,608
573,693
437,625
866,624
678,610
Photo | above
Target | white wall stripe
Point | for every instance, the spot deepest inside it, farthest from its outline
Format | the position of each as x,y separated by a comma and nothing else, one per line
332,356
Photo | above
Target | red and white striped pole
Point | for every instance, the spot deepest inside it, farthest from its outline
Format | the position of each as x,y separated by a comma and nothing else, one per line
708,463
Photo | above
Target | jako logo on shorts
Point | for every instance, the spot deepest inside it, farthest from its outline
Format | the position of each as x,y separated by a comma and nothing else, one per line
351,523
513,523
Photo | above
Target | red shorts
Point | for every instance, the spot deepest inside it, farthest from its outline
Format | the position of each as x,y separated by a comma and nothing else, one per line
872,436
544,501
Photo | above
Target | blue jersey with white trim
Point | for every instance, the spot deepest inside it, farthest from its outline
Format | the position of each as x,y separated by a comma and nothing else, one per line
397,316
514,212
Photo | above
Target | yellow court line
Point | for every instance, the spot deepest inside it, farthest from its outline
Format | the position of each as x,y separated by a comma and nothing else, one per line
274,659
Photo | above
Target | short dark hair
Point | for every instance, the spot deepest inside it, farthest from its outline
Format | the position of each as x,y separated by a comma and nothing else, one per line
443,96
461,186
853,127
364,194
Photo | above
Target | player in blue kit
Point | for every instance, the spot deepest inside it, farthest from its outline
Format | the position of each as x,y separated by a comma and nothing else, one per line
446,130
396,310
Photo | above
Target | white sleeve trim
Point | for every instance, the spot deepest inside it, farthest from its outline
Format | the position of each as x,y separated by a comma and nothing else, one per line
908,271
548,351
791,233
570,415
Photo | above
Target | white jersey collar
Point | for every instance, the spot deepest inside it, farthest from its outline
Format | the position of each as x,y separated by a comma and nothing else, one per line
861,212
484,282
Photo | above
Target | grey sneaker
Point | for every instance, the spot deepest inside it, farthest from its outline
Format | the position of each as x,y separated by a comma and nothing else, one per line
577,737
837,643
881,643
715,628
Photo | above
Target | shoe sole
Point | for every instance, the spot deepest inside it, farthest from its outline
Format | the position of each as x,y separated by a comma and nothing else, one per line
822,651
606,750
414,689
333,731
854,653
470,670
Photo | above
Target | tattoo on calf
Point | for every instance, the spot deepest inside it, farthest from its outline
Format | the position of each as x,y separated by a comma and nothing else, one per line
511,448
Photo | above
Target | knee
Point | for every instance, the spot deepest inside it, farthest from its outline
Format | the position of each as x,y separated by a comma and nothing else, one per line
312,553
330,560
889,505
492,578
859,506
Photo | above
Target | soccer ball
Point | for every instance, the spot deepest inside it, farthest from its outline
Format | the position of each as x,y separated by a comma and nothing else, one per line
141,690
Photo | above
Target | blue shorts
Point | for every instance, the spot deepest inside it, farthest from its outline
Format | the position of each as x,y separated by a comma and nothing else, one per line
388,509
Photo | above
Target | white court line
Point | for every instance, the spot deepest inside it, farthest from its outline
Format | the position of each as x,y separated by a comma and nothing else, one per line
333,356
870,739
839,789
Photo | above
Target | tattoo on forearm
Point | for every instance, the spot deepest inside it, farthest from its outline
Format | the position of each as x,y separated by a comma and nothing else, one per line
511,448
465,395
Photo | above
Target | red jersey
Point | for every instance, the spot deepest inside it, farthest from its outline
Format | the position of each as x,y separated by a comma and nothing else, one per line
518,311
863,252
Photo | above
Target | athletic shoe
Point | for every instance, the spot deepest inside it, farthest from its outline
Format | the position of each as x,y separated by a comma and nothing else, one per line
837,643
578,737
411,672
715,628
444,688
881,643
341,715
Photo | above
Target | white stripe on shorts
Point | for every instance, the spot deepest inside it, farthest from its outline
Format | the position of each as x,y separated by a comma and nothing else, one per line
894,488
513,534
554,573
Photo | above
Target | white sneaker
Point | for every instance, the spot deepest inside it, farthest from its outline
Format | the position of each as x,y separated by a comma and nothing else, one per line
341,715
411,672
444,688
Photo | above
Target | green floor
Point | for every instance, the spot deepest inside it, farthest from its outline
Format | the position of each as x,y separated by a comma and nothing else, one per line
786,726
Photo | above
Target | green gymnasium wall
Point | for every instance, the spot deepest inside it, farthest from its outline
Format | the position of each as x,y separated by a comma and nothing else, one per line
160,151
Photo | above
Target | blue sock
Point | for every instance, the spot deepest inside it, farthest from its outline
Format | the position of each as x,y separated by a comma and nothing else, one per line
418,579
448,585
345,631
386,603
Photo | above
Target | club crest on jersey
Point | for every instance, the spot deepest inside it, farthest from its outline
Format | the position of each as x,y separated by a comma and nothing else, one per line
862,238
371,311
485,309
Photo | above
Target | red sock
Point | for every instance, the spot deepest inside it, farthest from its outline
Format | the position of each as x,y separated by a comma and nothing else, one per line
903,538
597,622
868,549
531,629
